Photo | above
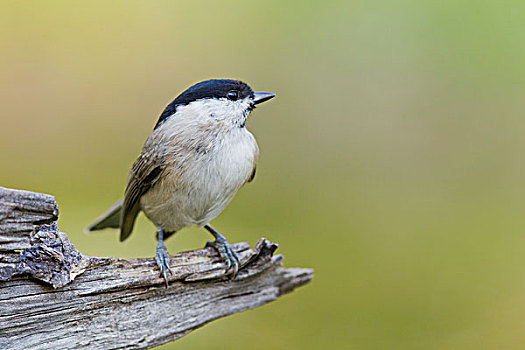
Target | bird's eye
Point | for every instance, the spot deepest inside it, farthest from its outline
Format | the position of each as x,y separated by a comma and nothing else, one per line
232,95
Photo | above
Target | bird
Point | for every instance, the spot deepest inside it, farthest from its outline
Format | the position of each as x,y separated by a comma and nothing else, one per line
197,157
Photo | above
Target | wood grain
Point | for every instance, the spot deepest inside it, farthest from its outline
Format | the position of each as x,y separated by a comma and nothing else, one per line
54,297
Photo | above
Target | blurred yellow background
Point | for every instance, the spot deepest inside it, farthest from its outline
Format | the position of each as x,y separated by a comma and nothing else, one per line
391,160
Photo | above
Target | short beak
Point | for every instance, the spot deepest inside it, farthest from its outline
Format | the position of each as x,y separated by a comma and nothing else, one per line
262,97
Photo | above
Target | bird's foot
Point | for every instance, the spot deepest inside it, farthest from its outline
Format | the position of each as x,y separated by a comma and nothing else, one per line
227,254
163,260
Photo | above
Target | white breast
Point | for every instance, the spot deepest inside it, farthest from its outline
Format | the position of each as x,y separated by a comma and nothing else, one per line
220,175
202,174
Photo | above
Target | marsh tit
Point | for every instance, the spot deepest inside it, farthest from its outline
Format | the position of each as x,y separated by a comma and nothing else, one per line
197,157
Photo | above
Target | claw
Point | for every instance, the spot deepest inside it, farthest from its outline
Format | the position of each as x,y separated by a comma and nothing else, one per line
228,256
163,260
225,251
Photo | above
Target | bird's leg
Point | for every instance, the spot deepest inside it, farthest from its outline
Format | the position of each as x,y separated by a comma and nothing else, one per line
162,258
225,251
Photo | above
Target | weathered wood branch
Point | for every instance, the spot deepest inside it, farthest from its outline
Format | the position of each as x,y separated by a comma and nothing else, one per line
54,297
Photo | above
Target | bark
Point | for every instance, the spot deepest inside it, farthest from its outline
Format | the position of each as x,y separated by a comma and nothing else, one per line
54,297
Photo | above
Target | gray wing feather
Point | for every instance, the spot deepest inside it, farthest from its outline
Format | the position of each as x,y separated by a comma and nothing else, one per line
143,175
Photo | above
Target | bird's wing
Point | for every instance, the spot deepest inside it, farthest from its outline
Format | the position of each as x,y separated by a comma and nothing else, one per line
143,175
255,159
252,175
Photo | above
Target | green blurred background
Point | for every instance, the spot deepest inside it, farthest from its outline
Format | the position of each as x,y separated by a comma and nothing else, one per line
391,161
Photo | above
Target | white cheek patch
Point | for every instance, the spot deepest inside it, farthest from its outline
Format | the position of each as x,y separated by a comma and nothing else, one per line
221,109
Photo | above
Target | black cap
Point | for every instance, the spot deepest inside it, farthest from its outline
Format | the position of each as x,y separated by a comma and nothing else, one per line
213,88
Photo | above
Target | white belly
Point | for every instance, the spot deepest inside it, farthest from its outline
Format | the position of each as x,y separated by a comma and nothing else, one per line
198,189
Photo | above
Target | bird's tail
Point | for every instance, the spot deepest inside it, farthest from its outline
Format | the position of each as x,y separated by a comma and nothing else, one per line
110,218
